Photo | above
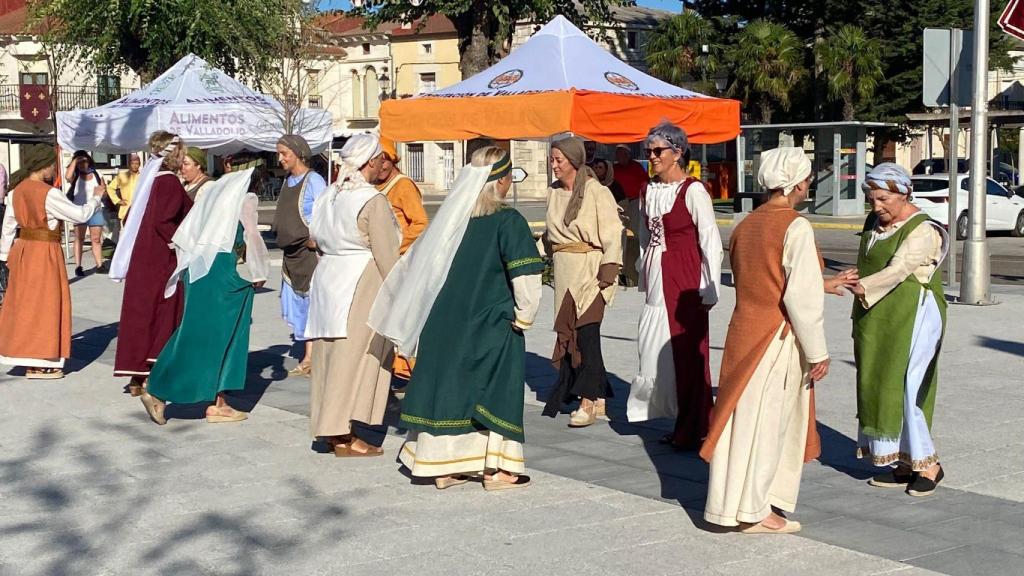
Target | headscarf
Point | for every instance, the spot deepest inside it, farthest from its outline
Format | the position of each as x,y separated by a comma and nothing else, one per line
198,156
34,158
389,148
359,150
574,151
783,168
609,175
888,176
298,145
209,228
408,293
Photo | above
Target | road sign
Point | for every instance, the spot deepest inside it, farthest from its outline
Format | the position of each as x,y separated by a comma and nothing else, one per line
519,175
1012,20
938,67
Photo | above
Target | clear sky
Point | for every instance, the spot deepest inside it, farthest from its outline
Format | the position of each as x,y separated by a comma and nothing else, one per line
670,5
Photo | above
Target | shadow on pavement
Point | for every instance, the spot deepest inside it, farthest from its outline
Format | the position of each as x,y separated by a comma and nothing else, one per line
100,513
1008,346
89,345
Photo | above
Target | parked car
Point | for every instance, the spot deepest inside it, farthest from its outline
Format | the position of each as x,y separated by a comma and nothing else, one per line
1004,210
1007,174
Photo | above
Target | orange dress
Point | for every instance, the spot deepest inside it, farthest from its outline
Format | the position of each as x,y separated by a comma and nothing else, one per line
35,321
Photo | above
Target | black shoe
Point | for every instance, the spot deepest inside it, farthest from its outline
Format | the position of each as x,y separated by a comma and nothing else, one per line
892,479
922,486
102,268
79,272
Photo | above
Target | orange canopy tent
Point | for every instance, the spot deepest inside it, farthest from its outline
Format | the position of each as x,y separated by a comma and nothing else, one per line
559,81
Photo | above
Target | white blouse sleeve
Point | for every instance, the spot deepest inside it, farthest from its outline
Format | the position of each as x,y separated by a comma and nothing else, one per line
257,257
10,228
58,206
804,297
702,211
526,290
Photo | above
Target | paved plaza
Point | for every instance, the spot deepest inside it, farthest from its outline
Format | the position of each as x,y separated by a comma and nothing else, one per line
88,485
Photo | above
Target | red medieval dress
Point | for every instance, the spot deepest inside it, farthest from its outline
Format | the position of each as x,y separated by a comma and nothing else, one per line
682,256
148,318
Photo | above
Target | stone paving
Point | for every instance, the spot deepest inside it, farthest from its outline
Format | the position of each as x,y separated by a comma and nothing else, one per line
89,486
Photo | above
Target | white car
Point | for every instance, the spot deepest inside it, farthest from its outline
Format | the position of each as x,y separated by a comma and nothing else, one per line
1004,211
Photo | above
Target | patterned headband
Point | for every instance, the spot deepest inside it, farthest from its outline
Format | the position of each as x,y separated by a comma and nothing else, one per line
501,168
171,146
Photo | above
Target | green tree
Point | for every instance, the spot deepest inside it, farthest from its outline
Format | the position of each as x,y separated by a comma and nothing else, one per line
148,36
485,27
684,48
768,64
851,63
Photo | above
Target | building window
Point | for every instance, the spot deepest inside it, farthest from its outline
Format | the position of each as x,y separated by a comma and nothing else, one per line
366,48
428,83
35,79
316,102
632,40
427,48
313,82
108,89
357,95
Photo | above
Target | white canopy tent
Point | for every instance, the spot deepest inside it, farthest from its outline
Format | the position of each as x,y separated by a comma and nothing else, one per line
202,104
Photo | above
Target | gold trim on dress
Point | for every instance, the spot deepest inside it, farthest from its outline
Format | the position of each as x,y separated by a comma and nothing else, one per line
916,465
501,455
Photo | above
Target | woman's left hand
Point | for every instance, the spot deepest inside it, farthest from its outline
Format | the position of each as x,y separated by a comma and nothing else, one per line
258,285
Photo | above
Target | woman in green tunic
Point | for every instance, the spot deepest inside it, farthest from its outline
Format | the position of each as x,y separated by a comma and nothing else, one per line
464,405
207,354
898,322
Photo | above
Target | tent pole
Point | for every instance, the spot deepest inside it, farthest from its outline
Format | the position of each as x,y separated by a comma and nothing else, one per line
330,159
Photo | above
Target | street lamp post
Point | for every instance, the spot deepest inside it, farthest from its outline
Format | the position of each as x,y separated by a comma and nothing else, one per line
975,287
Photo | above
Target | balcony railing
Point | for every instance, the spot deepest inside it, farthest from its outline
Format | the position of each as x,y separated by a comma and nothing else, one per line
68,97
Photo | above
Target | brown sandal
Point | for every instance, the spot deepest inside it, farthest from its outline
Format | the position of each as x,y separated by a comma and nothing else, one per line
44,373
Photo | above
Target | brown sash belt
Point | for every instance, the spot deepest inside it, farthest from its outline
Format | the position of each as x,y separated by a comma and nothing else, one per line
574,248
39,235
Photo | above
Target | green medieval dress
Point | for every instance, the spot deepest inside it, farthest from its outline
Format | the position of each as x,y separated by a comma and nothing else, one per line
208,352
470,367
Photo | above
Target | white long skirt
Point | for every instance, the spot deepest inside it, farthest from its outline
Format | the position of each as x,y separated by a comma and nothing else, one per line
914,446
427,455
759,458
652,394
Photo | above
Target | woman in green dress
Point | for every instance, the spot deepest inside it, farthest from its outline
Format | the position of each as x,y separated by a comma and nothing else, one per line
460,301
206,356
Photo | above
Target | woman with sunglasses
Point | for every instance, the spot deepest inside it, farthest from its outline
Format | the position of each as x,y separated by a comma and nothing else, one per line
680,272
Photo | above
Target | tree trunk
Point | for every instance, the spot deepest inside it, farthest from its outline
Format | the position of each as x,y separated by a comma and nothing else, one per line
474,40
766,110
849,111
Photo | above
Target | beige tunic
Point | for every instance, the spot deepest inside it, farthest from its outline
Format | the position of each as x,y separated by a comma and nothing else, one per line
350,378
597,225
919,254
759,457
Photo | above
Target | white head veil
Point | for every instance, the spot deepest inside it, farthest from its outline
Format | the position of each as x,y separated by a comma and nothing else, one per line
140,199
210,228
409,292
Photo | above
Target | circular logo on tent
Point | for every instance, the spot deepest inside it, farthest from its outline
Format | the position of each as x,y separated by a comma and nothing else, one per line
505,79
621,81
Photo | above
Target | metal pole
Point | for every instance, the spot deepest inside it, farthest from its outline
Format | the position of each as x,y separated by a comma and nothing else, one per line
975,288
955,41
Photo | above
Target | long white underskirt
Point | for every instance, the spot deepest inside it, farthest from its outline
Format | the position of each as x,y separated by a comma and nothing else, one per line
427,455
32,362
914,446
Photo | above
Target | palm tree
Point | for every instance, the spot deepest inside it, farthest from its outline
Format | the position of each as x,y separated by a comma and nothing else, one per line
684,48
768,63
852,64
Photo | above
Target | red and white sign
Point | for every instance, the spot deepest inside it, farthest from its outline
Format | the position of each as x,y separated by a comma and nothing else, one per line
1012,20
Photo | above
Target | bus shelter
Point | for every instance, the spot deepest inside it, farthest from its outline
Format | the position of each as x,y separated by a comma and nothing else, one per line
838,153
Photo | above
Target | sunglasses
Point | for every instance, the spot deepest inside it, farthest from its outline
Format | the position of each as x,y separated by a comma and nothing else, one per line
657,150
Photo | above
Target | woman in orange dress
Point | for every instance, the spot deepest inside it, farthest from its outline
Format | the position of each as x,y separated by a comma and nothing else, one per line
35,321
